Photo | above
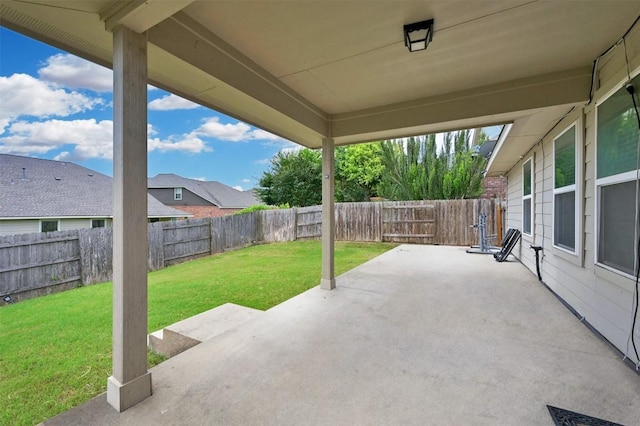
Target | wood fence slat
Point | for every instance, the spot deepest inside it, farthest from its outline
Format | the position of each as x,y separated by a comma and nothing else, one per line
411,221
155,237
409,235
96,255
207,238
40,264
36,242
68,280
187,255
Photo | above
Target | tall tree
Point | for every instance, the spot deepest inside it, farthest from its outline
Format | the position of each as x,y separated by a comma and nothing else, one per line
358,172
294,178
414,169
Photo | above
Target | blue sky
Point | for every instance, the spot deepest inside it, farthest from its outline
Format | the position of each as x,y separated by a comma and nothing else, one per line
55,105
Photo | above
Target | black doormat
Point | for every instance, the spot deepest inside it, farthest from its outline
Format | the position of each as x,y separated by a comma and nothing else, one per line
569,418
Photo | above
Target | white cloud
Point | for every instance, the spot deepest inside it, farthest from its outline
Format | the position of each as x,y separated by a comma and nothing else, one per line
291,149
171,102
237,132
246,181
228,132
89,139
263,161
92,139
201,179
238,187
23,95
284,144
71,71
259,134
187,143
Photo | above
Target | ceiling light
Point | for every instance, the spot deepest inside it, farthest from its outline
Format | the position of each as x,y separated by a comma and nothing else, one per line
418,35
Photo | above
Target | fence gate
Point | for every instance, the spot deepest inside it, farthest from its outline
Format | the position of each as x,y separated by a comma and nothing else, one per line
409,223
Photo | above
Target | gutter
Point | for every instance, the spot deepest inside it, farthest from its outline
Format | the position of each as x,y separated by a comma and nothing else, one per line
501,139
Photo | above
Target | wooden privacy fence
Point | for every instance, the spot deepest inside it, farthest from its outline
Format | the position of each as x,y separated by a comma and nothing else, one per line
36,264
446,222
409,223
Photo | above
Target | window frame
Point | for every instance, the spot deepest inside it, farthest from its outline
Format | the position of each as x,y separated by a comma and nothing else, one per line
104,223
177,194
528,196
575,188
43,221
618,178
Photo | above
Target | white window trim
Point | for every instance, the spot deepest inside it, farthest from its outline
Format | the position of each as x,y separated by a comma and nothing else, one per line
528,197
623,177
576,188
608,180
50,220
92,219
177,194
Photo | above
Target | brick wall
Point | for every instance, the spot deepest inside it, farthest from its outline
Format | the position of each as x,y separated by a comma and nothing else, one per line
206,211
495,187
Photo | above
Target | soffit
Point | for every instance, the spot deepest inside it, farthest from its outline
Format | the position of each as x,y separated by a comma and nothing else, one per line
347,56
526,131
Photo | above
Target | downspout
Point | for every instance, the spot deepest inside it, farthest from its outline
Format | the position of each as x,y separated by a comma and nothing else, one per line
537,249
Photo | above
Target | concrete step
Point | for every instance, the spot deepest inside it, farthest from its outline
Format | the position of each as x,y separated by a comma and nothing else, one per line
187,333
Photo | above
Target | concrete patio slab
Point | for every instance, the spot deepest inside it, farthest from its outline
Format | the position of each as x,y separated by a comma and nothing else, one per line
422,335
189,332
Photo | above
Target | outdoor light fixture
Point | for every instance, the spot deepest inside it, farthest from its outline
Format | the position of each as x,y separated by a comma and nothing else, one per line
418,35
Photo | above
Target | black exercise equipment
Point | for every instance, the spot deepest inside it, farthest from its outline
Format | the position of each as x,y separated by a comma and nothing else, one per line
508,243
484,241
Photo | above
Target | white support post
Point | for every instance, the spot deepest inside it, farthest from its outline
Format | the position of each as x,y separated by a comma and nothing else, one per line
328,281
130,381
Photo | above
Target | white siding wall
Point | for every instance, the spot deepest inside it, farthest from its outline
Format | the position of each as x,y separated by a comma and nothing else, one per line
70,224
603,298
13,227
28,226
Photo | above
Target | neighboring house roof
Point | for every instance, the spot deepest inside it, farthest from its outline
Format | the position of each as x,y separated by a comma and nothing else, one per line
216,193
36,188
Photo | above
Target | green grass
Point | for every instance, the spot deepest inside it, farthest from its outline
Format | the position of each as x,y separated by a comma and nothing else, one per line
55,351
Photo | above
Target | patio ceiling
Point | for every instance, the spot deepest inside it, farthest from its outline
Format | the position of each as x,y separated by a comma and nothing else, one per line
306,70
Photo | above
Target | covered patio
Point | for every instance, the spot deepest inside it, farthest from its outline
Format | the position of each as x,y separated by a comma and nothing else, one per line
419,335
423,334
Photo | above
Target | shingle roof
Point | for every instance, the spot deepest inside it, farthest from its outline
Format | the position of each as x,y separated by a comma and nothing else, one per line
215,192
36,188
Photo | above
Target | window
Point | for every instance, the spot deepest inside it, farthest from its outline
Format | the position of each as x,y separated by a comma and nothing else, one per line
48,225
616,174
527,197
97,223
177,193
564,190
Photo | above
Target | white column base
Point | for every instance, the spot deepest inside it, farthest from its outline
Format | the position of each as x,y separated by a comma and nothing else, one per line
123,396
326,284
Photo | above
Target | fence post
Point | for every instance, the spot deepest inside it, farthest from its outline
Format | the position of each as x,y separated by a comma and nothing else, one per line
155,232
379,211
96,254
84,247
217,235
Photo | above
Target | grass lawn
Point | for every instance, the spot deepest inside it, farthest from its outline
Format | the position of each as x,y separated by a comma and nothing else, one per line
55,351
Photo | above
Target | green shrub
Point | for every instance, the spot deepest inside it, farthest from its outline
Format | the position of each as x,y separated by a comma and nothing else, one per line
255,208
